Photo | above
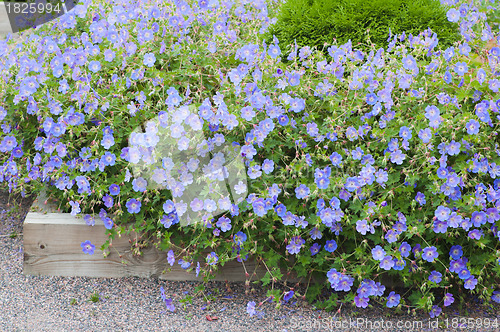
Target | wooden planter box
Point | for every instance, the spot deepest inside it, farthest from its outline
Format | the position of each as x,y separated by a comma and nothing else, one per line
52,247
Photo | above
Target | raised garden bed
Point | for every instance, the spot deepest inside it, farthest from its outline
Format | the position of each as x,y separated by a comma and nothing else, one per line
51,247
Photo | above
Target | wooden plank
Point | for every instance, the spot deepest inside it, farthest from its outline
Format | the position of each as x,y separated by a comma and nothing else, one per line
52,247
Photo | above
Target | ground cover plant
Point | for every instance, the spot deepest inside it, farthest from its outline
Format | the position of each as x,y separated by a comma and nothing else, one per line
357,166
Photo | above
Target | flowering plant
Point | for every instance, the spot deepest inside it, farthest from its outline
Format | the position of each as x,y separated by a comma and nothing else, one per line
358,165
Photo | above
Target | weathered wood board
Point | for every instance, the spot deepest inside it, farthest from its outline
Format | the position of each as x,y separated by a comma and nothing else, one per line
52,247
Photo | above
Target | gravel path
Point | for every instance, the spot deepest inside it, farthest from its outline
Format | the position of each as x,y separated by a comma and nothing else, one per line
41,303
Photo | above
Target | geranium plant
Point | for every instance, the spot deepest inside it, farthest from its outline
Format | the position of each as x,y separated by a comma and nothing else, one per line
357,166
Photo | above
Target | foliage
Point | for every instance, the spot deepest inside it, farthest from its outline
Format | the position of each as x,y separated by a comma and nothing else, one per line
360,165
319,22
94,298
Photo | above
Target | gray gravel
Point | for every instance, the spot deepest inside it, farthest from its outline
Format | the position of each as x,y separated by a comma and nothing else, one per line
42,303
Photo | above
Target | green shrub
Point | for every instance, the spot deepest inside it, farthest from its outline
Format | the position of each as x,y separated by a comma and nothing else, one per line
319,22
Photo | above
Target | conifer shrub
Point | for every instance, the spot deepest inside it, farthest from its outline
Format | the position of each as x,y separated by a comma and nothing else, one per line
319,22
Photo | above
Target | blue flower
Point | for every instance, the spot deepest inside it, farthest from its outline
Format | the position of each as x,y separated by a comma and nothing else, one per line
295,244
108,222
274,51
219,28
107,141
476,234
399,265
496,296
453,15
371,98
457,265
440,226
470,283
378,253
114,189
448,54
171,258
405,133
409,63
268,166
149,59
464,273
478,218
224,224
293,78
365,289
288,295
351,134
351,183
133,206
169,304
386,263
397,157
240,238
453,148
184,264
460,68
362,226
302,191
331,246
212,258
472,127
435,311
8,144
108,159
494,85
344,284
280,210
108,201
448,299
357,153
442,213
336,159
28,86
94,66
297,105
109,55
283,119
140,184
361,302
420,198
429,254
75,208
381,176
432,112
391,236
198,268
435,276
251,308
481,76
89,220
333,277
87,247
315,249
259,207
